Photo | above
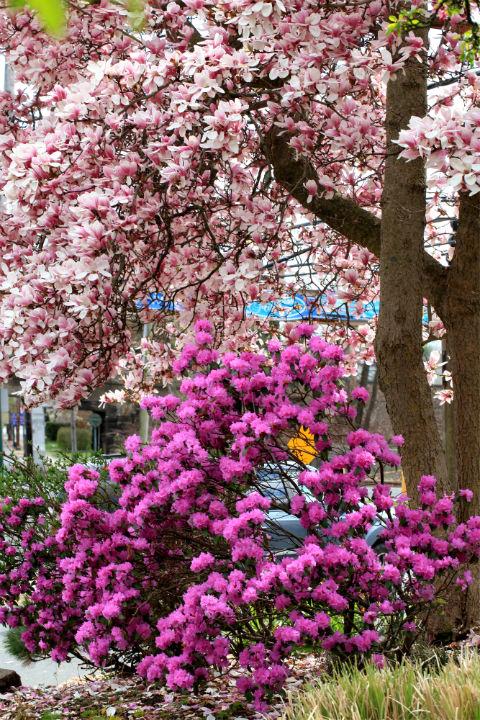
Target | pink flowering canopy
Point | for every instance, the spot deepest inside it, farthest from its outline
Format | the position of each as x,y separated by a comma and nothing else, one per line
171,566
138,162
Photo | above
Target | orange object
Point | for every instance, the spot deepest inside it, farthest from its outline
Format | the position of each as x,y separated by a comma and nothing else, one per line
303,446
404,484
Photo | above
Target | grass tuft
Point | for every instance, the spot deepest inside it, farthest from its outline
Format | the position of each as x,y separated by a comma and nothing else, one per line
407,691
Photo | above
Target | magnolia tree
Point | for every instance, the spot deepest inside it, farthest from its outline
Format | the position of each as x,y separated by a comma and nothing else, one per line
180,574
190,158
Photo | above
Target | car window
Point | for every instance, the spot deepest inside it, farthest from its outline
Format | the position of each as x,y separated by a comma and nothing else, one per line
274,482
308,495
274,492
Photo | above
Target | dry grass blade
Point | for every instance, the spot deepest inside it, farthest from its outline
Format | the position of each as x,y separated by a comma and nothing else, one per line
404,692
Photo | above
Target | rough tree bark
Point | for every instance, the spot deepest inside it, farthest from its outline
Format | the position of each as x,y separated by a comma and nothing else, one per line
399,335
461,310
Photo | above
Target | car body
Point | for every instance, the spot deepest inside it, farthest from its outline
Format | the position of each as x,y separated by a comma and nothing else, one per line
279,481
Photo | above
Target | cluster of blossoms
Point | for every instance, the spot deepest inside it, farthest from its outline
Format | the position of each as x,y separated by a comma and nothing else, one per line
137,163
435,370
450,142
171,565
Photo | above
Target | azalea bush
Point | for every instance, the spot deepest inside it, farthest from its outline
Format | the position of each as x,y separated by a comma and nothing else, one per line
180,574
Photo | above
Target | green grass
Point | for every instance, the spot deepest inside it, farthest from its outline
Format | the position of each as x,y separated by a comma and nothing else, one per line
407,691
53,450
51,447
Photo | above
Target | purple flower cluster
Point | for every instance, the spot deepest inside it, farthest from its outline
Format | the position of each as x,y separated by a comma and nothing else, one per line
181,575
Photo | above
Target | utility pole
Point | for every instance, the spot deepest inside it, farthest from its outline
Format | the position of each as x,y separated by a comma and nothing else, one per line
27,435
73,429
372,400
37,415
144,417
7,78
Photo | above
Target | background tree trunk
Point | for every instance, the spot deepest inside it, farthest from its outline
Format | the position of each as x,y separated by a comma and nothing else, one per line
372,401
460,310
462,319
402,375
363,383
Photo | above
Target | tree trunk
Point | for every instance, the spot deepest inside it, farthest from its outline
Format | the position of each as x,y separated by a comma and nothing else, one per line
363,383
461,315
402,375
462,319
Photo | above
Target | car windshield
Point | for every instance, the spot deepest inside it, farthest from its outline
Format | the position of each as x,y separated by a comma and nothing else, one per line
279,482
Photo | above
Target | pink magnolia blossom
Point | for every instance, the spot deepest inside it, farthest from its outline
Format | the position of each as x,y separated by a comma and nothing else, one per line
137,164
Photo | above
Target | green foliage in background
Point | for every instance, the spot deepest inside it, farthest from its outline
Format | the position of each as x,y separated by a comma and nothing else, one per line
470,11
53,13
414,18
407,20
136,13
20,477
51,430
13,645
84,439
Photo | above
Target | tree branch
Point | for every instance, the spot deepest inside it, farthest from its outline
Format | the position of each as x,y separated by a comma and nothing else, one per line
340,213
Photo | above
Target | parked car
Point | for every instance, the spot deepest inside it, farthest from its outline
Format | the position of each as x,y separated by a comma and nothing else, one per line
279,481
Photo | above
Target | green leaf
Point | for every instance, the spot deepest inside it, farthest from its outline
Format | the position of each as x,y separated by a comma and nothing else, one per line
136,11
51,13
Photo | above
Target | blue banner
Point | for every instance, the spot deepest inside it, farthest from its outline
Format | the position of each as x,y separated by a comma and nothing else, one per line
301,307
156,301
298,307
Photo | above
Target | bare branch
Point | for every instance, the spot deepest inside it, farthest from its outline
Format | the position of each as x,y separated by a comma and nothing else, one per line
340,213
